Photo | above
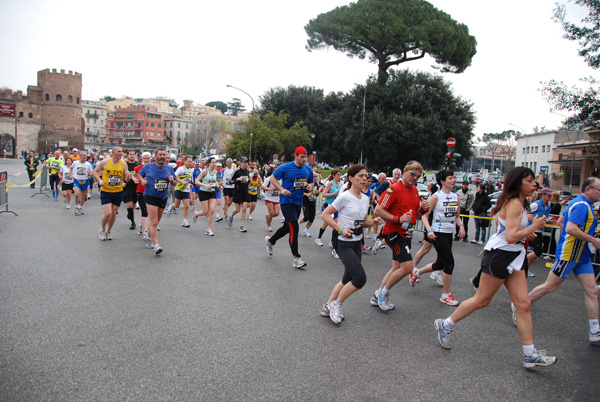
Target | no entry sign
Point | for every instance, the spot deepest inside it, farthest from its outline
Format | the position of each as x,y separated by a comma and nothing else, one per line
450,142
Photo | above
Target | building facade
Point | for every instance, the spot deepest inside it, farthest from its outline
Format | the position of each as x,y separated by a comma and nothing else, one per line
94,115
535,151
137,127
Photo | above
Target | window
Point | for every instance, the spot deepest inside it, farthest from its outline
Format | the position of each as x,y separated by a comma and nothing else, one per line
20,114
69,99
159,125
58,97
78,100
543,148
130,116
179,125
139,125
30,115
523,149
548,149
158,134
151,134
47,97
171,124
151,124
186,126
536,149
146,124
535,167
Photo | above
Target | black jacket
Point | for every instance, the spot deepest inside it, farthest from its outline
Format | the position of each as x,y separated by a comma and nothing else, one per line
481,204
36,162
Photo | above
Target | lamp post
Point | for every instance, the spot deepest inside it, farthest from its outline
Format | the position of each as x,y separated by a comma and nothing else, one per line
526,141
252,99
571,179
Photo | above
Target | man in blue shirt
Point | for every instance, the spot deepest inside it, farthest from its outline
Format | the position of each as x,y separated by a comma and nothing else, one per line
296,178
573,252
538,209
156,178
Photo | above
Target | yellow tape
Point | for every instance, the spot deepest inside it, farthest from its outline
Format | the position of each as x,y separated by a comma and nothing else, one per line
547,225
37,176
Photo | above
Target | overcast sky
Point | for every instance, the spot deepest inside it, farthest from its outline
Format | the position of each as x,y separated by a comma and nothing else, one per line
190,49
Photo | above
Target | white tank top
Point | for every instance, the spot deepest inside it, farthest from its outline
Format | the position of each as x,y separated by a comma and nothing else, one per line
444,212
498,239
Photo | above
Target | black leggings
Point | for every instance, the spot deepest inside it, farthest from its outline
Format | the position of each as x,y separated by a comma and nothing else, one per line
443,246
350,253
54,180
290,212
309,209
142,204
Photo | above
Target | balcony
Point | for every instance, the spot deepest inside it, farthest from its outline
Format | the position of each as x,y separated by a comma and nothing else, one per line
94,115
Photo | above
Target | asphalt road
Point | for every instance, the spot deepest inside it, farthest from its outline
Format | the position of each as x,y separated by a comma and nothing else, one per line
216,318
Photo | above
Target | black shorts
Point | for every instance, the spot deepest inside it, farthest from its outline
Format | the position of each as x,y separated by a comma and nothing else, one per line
130,194
157,202
537,244
228,192
67,187
495,262
240,197
140,200
253,197
206,195
401,250
181,195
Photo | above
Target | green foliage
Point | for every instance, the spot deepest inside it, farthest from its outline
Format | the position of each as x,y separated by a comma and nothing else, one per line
494,141
108,98
271,135
391,32
235,106
222,106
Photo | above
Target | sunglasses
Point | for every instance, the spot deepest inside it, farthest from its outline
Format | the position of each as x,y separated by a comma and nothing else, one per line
414,174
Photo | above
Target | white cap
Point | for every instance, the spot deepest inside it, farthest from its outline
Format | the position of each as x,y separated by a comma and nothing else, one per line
75,150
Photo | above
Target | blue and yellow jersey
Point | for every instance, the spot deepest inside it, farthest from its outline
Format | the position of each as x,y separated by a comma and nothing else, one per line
569,248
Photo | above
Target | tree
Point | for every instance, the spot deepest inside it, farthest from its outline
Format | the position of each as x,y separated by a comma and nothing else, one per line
392,32
584,102
108,98
222,106
511,143
235,106
494,141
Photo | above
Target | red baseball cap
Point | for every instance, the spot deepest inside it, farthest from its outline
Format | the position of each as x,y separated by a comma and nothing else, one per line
301,150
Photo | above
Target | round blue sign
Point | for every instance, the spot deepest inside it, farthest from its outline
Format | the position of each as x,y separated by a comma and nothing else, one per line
275,156
209,154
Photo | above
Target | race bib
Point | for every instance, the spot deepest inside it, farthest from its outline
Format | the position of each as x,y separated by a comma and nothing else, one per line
212,183
114,180
252,188
245,179
300,184
450,208
160,185
276,193
228,182
219,181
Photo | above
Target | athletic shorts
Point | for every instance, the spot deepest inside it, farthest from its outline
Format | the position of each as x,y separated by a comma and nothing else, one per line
218,193
271,202
241,197
195,189
537,244
67,187
253,197
228,192
111,198
157,202
401,250
181,195
80,186
130,195
206,195
563,269
495,262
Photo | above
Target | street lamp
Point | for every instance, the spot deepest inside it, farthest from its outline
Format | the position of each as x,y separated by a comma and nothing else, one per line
252,99
571,179
526,141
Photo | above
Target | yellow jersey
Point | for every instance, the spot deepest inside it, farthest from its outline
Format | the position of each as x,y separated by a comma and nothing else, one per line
112,176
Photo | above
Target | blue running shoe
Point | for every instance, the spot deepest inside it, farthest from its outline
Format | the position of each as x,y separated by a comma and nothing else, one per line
538,358
443,334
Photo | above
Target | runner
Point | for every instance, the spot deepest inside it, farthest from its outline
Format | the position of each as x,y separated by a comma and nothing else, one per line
111,184
400,207
241,178
54,164
81,171
331,191
155,177
219,191
539,208
207,181
182,192
228,187
271,201
66,182
143,226
446,214
194,188
296,178
309,206
129,195
253,190
352,207
502,264
578,224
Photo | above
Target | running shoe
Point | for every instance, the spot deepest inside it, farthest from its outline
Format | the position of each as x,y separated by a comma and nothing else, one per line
376,246
367,233
305,233
365,249
382,301
330,244
269,229
132,226
185,223
474,241
108,236
538,358
282,219
230,221
53,194
140,230
375,303
209,232
157,249
243,229
437,277
319,242
298,263
449,300
335,313
218,219
334,254
443,334
269,245
250,218
472,280
168,212
76,211
80,211
148,242
595,338
101,234
325,311
480,243
194,217
68,206
413,279
514,313
158,228
530,274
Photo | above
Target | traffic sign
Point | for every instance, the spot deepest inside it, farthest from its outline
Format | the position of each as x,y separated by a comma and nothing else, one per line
451,142
275,156
209,154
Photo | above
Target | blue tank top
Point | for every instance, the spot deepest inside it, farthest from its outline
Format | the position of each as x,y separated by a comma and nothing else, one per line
334,188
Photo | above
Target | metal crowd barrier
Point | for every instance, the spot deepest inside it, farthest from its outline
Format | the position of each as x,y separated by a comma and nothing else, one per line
4,193
43,182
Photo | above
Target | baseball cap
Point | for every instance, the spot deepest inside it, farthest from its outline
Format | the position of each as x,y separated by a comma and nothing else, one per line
229,160
545,190
75,150
243,159
300,150
219,164
465,182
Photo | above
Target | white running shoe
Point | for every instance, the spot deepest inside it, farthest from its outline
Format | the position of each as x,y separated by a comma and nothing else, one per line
209,232
437,277
68,206
108,236
298,263
185,223
157,249
102,235
250,218
334,254
318,242
449,300
269,245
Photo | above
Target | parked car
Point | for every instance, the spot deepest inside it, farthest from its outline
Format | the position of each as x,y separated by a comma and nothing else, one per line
494,198
565,195
423,193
